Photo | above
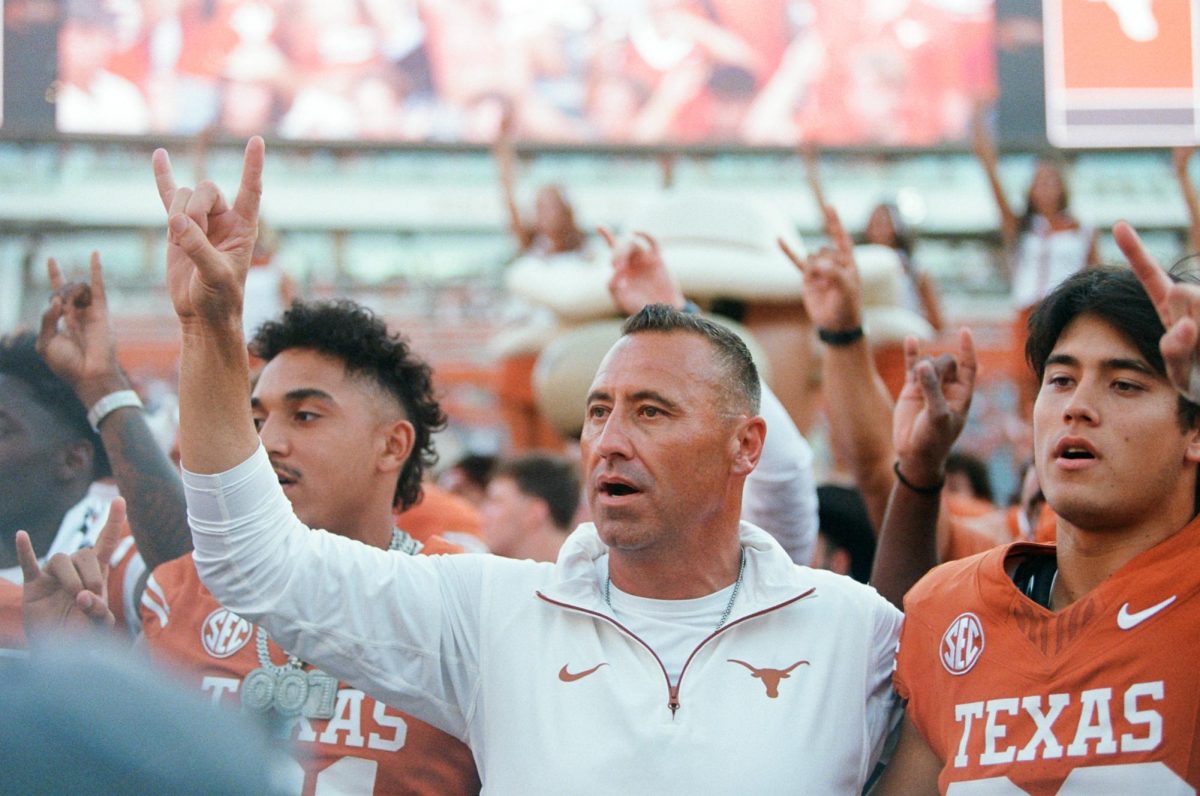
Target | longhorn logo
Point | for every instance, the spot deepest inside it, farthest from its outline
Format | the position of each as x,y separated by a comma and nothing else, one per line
770,677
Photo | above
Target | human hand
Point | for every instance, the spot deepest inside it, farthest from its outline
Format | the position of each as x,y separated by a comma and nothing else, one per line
76,339
70,594
832,287
932,408
209,242
1178,307
640,276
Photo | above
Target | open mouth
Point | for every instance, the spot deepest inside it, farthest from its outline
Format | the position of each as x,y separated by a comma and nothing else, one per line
616,488
1077,453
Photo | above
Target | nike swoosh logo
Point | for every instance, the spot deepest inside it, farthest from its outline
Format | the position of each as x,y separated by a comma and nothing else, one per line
567,677
1128,621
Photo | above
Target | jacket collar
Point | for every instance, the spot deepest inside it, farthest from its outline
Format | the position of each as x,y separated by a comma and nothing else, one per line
770,578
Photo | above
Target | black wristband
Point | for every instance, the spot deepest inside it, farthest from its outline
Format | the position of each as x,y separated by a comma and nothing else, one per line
920,490
840,338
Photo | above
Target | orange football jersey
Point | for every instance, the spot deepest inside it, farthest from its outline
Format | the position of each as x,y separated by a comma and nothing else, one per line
1102,697
366,747
439,512
12,631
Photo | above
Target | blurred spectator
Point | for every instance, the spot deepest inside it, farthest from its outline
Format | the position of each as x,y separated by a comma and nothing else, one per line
269,289
83,719
967,475
468,477
531,502
89,97
846,540
1043,245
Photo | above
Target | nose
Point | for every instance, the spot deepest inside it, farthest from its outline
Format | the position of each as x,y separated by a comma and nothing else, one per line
273,435
611,439
1080,406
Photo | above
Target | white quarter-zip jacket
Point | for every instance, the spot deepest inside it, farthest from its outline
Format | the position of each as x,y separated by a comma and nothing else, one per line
525,662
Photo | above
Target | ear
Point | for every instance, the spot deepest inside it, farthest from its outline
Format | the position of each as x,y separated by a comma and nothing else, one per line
1191,453
398,441
748,444
76,460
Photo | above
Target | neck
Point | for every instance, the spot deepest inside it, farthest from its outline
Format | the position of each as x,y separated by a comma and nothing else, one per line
1086,558
370,526
675,576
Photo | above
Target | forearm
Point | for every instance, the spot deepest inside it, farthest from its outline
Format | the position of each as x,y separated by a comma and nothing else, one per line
859,410
216,430
145,476
907,545
780,495
325,598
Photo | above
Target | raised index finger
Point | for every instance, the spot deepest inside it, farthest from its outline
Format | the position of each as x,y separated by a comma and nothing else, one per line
163,178
52,270
250,191
106,542
30,570
98,298
1153,278
837,232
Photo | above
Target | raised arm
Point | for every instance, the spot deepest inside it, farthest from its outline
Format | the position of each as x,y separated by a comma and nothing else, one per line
856,401
812,173
985,151
930,414
373,618
506,167
209,245
77,343
1180,157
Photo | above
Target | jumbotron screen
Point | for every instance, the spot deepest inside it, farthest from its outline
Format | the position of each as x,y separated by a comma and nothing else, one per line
587,72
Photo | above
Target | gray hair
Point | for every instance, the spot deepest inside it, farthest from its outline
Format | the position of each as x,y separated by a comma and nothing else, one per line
742,383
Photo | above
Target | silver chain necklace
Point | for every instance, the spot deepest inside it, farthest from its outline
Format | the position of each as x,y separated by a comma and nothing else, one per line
288,690
737,586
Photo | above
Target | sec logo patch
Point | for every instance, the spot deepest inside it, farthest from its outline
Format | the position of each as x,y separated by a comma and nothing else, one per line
962,644
224,633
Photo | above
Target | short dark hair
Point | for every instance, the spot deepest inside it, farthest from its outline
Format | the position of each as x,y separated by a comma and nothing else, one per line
743,382
1115,296
477,468
554,479
19,358
353,334
974,469
843,519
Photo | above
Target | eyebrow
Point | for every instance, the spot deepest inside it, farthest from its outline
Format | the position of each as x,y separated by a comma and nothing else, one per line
640,395
1116,363
296,396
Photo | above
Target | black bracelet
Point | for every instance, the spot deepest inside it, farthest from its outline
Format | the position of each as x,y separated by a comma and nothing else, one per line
840,338
920,490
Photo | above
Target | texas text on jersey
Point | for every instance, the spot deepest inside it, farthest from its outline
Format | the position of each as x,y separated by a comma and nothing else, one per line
1101,697
345,741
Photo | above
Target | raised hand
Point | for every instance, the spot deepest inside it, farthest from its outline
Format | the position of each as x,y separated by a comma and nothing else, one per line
932,409
1178,307
640,276
209,242
832,286
76,339
69,594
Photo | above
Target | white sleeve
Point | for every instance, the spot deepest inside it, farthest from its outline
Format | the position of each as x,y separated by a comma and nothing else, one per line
780,495
404,629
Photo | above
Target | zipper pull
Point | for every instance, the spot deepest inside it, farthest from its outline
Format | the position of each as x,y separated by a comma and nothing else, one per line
673,699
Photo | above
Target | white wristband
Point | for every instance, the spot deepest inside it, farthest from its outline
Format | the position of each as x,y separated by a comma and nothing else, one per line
109,404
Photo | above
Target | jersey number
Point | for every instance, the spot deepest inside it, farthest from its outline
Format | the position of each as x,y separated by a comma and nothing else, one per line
1153,778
